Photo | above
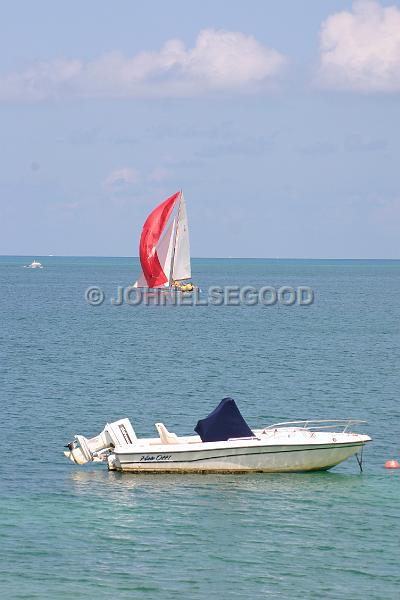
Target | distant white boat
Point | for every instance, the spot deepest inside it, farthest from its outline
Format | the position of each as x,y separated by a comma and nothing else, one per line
224,444
35,264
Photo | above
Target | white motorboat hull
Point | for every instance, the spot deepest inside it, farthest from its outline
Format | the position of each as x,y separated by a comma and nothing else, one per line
262,459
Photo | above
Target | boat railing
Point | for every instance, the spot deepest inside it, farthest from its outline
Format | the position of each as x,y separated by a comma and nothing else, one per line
319,425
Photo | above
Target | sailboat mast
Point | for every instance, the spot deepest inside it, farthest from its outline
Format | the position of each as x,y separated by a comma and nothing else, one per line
175,238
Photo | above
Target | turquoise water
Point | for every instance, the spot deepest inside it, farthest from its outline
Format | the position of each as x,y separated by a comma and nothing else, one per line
69,368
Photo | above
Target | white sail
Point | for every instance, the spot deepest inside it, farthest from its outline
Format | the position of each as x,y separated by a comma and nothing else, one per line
164,252
181,265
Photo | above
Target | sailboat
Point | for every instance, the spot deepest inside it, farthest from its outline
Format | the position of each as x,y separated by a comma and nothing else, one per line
164,248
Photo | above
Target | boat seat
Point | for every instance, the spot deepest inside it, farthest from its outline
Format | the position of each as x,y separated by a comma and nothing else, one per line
166,437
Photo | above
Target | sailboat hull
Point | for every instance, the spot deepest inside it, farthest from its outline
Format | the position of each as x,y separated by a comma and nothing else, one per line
169,294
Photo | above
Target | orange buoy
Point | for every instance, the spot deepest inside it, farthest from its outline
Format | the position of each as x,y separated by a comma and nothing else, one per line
392,464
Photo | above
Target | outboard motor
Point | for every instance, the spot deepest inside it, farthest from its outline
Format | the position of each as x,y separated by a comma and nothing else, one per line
82,450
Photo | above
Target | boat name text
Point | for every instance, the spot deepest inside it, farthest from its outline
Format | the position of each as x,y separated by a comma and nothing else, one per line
157,457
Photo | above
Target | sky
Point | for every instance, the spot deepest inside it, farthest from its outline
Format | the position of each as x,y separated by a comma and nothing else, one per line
279,120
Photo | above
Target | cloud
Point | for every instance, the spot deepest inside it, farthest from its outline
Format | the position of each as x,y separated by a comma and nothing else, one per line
159,174
236,145
360,49
221,61
356,143
68,205
121,178
318,148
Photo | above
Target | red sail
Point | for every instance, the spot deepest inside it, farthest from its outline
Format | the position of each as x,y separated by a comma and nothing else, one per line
152,230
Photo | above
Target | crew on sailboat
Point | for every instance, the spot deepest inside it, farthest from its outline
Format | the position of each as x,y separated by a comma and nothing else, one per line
183,287
164,249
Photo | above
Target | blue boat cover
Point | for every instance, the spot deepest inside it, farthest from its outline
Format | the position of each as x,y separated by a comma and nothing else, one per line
223,423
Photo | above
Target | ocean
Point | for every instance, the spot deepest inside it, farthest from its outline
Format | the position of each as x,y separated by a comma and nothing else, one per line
68,367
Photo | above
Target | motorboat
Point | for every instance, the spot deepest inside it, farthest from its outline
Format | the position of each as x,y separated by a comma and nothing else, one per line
224,444
35,264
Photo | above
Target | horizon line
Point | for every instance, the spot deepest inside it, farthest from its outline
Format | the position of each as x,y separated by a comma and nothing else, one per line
198,257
